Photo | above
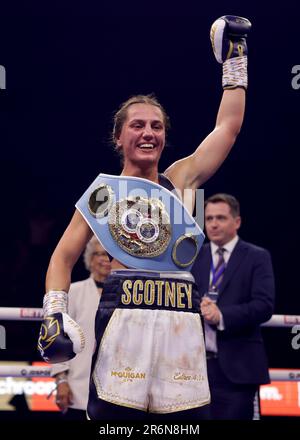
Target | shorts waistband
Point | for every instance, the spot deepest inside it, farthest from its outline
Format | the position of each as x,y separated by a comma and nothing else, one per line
137,289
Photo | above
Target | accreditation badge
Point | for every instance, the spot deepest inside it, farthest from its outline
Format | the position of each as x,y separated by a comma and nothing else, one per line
212,294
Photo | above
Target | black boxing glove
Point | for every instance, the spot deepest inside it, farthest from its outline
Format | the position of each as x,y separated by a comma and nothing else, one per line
228,37
60,338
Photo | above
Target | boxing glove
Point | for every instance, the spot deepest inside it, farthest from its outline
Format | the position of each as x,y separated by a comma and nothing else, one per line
60,338
228,37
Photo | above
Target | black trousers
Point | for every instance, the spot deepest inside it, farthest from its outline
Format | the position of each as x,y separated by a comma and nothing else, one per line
229,401
74,414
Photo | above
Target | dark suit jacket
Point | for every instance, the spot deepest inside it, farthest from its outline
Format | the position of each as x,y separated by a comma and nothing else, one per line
246,300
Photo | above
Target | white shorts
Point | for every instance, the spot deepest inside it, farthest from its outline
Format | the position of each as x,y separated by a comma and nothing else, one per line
152,360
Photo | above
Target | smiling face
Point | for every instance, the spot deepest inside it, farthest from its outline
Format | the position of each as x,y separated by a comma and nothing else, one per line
142,137
221,226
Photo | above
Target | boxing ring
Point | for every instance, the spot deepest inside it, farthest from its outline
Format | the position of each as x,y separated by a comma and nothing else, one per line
36,314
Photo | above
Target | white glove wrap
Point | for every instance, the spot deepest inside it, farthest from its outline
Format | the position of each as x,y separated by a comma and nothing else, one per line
235,73
55,301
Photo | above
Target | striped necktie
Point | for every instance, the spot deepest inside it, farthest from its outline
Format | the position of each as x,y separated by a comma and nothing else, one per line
218,272
217,277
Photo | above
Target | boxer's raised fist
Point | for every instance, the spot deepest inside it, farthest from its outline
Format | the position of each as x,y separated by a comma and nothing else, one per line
228,37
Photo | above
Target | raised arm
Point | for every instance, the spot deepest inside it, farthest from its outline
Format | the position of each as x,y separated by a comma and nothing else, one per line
212,152
228,36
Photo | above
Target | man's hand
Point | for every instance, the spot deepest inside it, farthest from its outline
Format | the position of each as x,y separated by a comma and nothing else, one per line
64,396
210,311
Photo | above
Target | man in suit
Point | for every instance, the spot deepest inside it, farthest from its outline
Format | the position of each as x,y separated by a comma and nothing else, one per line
236,282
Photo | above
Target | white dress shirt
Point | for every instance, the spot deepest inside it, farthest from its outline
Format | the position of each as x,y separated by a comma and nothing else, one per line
210,333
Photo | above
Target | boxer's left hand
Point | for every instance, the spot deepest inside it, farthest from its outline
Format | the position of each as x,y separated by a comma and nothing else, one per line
228,37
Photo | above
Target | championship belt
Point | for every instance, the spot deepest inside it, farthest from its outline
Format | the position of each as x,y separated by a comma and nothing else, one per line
140,223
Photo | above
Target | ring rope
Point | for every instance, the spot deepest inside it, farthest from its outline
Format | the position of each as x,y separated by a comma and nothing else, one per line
24,371
28,371
20,314
34,314
282,321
